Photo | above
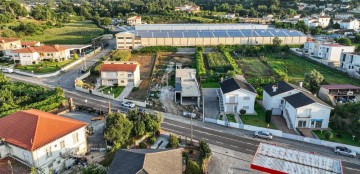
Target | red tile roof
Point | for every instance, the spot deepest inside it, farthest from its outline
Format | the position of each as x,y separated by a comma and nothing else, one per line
44,48
29,43
118,67
32,129
340,86
25,50
7,39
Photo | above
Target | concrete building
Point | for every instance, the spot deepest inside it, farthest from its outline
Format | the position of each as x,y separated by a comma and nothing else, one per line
33,55
312,46
123,73
350,62
339,93
349,24
332,52
9,44
42,140
186,87
135,20
235,95
344,15
318,20
299,107
204,35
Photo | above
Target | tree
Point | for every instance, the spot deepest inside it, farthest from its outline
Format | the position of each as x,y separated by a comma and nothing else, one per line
316,30
313,80
329,135
276,44
192,168
336,26
94,169
106,21
117,130
268,116
344,41
76,57
205,150
242,112
173,142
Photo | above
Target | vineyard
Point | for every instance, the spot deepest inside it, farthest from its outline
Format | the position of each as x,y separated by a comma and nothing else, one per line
218,62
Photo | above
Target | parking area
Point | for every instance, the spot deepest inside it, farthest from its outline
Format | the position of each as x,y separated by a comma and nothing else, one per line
211,103
95,140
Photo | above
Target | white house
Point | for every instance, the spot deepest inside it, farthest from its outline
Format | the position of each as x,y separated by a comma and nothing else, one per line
300,108
312,46
235,95
9,44
321,20
123,73
228,16
349,24
42,140
344,15
332,52
350,62
186,87
188,8
135,20
32,55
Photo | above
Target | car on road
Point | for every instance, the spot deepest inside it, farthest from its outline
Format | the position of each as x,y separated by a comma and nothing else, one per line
344,151
263,134
128,104
189,114
7,70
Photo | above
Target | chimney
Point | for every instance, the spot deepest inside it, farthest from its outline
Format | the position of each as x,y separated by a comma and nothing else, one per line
274,88
301,84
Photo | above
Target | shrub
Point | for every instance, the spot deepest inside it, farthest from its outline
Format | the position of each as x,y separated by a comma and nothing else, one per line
142,145
173,142
200,66
242,112
339,135
192,168
329,135
152,140
205,150
191,151
135,89
116,84
268,116
186,156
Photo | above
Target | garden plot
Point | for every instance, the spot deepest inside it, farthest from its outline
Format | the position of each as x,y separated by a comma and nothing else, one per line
255,70
217,62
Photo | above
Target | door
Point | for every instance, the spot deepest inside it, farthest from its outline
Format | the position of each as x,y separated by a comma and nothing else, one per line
301,124
235,109
318,124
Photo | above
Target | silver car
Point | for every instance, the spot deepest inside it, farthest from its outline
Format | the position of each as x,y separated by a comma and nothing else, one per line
263,134
344,151
128,104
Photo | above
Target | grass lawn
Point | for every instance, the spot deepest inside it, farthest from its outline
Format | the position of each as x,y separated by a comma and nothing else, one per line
45,67
114,90
231,118
296,67
345,139
6,64
257,120
210,85
71,33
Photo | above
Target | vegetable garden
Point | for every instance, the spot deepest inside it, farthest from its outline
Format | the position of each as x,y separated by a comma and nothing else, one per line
217,62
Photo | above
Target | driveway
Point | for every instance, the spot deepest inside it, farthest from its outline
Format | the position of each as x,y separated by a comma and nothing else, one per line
97,139
211,103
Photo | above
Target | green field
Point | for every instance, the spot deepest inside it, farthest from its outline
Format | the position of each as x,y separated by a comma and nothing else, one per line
72,33
114,90
210,85
257,120
346,138
296,67
45,67
217,62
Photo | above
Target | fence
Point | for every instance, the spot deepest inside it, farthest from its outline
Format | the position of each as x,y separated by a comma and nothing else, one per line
101,94
279,133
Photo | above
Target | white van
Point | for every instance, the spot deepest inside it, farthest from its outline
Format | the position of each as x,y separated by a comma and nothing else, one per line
7,70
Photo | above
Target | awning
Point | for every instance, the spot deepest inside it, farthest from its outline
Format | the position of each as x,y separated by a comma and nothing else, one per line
317,119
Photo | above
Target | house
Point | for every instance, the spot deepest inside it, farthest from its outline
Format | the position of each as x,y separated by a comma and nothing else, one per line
345,6
235,95
136,161
25,44
350,62
318,20
42,140
346,32
270,17
9,44
135,20
33,55
188,8
186,87
344,15
312,46
332,52
349,24
228,16
122,73
300,108
335,93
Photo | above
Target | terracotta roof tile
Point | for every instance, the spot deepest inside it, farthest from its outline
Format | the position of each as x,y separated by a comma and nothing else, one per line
7,39
29,43
25,50
44,48
32,129
118,67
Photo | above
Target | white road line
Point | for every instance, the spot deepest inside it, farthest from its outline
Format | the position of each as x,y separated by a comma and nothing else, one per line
205,139
234,146
170,130
249,150
219,142
352,169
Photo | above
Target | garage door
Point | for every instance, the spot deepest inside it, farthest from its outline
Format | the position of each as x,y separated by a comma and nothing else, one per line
276,111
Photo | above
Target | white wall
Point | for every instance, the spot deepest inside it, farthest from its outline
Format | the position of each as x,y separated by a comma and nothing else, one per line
28,58
239,99
273,102
346,61
333,53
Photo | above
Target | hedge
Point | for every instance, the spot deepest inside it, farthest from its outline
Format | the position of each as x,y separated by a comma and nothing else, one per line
200,66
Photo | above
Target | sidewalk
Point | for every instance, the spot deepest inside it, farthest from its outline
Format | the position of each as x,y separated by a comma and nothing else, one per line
125,93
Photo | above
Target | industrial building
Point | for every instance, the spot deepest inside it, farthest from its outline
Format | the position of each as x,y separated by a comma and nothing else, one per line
205,34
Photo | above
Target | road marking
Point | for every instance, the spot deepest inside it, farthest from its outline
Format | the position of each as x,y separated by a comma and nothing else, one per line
205,139
352,169
219,142
170,130
249,150
234,146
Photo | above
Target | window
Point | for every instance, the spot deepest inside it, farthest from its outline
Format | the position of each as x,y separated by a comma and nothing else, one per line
128,37
246,107
120,37
48,151
128,42
302,124
246,98
122,81
75,137
62,144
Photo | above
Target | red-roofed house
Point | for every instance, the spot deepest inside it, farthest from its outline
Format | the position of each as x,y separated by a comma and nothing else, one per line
123,73
339,93
25,44
33,55
8,44
41,140
135,20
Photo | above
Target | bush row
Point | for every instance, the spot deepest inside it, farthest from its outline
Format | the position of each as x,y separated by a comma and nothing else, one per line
200,66
232,62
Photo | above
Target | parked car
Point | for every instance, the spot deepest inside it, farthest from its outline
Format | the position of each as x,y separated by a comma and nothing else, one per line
263,134
7,70
353,100
189,114
344,151
128,104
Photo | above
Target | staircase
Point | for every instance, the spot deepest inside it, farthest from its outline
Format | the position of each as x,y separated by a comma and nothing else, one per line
287,119
221,100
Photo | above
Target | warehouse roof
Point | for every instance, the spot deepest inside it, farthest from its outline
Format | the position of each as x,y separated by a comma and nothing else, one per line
192,33
275,159
199,26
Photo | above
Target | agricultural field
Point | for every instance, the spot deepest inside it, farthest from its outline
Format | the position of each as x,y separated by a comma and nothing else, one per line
296,67
217,62
253,68
72,33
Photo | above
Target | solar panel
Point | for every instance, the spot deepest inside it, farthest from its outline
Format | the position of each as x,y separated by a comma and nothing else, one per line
145,34
235,34
160,34
191,34
293,33
205,34
176,34
248,33
264,33
220,34
278,33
